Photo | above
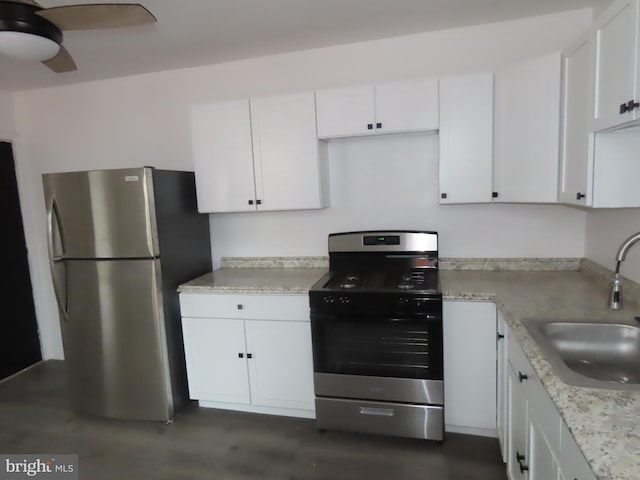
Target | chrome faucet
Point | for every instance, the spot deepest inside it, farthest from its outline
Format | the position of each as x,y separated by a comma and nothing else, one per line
615,299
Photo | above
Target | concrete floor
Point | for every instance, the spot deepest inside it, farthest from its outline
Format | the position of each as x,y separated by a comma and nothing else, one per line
216,444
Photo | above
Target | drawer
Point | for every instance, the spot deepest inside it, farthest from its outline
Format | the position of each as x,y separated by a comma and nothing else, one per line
245,306
401,420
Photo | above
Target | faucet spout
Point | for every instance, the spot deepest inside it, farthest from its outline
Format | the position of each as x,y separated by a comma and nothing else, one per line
615,298
626,246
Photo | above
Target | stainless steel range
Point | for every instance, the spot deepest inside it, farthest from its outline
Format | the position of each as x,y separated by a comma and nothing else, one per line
376,322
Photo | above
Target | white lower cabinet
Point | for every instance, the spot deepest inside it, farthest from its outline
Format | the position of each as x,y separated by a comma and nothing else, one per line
502,387
469,334
540,446
250,360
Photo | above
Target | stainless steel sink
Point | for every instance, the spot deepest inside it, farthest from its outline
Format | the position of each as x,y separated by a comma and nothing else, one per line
590,353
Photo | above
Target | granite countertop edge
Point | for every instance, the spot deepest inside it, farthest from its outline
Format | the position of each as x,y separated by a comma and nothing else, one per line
605,423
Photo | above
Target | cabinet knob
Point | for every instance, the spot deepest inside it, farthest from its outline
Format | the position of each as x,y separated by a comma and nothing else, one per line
379,125
580,196
522,377
523,468
519,457
240,306
500,336
241,355
495,194
249,355
258,202
250,202
443,195
370,126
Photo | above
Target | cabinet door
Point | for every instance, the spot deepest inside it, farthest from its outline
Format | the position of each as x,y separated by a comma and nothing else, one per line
223,157
527,131
287,169
281,367
517,454
469,382
572,463
502,391
215,370
466,139
344,112
541,462
616,42
407,106
576,156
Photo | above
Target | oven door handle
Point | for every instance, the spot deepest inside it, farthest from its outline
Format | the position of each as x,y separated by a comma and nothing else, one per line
379,412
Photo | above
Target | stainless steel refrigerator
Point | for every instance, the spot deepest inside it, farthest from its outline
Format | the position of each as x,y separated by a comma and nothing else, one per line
120,243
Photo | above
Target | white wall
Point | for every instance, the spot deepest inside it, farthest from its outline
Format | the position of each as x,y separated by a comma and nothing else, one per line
143,120
606,230
391,182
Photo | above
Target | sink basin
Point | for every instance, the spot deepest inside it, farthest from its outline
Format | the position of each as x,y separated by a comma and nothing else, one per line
590,353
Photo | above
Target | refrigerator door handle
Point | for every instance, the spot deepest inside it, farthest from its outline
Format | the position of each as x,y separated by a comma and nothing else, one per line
55,239
55,244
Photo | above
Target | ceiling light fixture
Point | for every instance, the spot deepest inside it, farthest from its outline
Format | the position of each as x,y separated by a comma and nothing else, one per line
25,35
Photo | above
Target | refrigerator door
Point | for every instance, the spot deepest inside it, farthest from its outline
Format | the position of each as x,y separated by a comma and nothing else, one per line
101,214
115,341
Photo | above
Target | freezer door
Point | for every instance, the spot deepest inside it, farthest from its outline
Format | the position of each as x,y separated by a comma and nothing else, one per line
101,214
115,341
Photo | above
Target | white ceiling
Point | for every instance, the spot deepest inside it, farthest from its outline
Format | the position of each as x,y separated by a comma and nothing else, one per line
201,32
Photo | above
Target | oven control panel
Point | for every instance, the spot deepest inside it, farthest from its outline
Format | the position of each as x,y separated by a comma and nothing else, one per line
382,304
336,300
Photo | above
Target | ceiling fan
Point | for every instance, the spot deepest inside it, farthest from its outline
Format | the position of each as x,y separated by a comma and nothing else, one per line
30,32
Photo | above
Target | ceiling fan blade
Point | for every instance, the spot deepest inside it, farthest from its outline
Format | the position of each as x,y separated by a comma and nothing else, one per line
30,2
101,15
62,62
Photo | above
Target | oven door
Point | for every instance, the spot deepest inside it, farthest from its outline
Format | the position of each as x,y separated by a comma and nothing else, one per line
405,347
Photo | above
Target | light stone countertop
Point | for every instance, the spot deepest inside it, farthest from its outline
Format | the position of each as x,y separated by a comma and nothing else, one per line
255,280
604,423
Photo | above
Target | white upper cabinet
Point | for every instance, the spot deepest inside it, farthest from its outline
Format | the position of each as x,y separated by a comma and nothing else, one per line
345,112
527,131
290,164
616,68
259,154
365,110
575,165
466,138
600,169
223,156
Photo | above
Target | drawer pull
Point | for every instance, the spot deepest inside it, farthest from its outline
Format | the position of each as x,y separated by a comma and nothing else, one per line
380,412
240,306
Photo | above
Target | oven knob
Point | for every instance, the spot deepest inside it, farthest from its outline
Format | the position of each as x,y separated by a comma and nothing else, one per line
344,300
328,299
403,300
